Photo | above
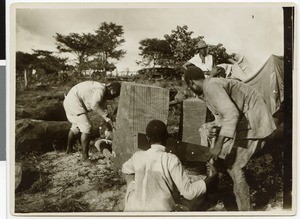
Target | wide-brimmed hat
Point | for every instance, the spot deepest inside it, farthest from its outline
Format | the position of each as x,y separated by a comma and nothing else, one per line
201,44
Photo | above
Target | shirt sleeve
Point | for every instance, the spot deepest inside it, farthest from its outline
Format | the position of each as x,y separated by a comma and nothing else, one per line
96,102
128,167
220,100
186,187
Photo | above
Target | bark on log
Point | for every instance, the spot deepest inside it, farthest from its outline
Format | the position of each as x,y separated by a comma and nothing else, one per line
47,110
39,135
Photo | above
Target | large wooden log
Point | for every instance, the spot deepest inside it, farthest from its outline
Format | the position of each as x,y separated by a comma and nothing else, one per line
52,110
138,105
194,116
39,135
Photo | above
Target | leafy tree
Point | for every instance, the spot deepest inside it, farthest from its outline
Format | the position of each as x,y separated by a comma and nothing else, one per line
81,45
219,54
25,61
177,48
183,45
155,52
108,38
49,63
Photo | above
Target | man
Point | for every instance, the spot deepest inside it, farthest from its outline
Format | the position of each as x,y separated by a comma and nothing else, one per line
243,118
157,174
202,60
82,98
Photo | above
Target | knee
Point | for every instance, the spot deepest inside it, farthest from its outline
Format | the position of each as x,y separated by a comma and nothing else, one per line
75,130
86,128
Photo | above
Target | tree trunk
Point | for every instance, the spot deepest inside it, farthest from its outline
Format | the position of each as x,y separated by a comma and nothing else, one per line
25,78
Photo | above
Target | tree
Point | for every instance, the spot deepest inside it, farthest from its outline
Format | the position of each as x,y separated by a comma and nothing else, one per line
177,49
219,54
82,45
109,37
183,45
155,52
49,63
25,63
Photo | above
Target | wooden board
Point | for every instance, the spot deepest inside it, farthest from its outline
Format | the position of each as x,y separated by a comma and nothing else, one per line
138,105
184,151
193,117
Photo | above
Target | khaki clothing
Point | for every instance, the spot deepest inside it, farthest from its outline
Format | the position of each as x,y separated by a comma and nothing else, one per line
85,97
157,176
239,108
245,121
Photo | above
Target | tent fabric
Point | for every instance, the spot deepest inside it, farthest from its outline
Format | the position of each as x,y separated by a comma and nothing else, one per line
269,81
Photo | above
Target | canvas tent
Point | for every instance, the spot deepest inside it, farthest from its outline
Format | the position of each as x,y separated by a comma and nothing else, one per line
269,81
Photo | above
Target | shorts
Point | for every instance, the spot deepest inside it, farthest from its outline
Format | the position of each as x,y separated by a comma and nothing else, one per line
80,123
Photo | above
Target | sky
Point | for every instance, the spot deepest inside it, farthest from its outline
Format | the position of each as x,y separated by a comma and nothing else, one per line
255,32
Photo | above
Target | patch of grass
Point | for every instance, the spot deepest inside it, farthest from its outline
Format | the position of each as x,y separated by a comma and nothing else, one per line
265,180
107,180
69,204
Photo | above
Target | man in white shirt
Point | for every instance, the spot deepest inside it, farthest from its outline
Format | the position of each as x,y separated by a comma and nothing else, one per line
202,60
158,174
82,98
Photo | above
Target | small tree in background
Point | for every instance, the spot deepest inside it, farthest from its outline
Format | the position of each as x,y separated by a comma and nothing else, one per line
183,45
155,52
49,63
25,63
108,37
81,45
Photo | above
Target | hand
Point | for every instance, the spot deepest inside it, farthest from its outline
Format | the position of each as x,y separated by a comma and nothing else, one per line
214,131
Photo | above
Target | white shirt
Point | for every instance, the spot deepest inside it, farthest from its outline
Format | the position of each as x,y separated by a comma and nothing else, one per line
204,66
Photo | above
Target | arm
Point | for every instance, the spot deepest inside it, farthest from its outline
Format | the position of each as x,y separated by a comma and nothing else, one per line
188,189
222,103
97,101
128,167
219,98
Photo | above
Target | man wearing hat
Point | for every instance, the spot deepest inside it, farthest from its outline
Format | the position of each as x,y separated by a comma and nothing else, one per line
158,174
244,121
202,60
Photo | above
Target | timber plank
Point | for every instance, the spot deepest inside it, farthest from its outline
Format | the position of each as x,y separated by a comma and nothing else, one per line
193,117
138,105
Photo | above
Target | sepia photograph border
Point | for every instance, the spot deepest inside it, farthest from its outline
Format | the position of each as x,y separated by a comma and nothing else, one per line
11,79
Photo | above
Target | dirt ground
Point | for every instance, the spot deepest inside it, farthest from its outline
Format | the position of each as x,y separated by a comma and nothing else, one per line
56,182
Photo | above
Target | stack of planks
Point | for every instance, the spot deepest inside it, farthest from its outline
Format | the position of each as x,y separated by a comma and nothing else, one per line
194,116
138,105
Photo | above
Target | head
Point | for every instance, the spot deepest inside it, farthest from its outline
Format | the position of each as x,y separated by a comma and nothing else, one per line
156,132
114,89
105,130
201,48
218,72
194,78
